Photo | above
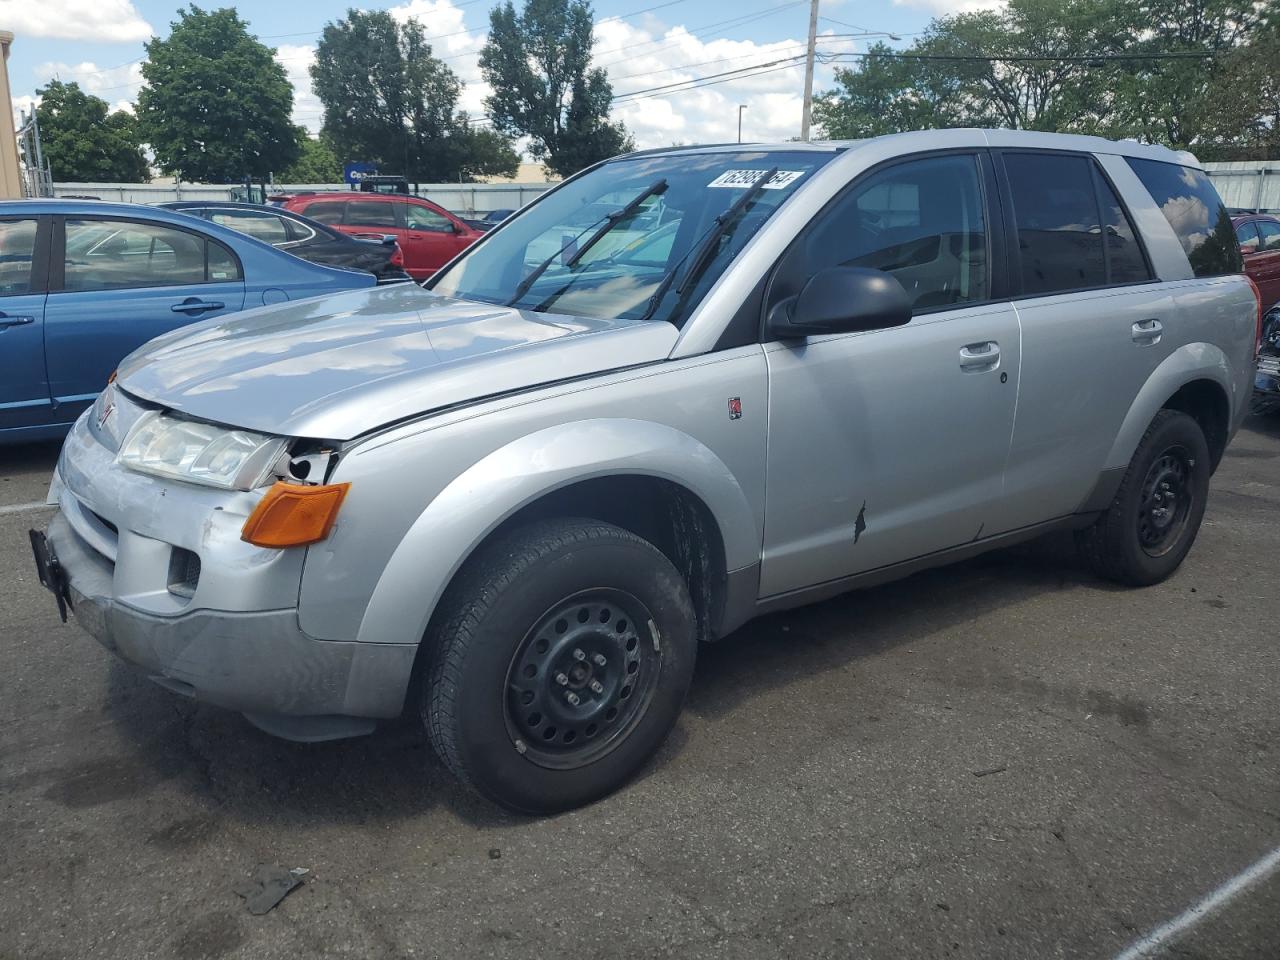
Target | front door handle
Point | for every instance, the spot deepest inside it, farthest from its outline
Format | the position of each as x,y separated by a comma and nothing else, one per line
980,357
193,305
7,321
1147,332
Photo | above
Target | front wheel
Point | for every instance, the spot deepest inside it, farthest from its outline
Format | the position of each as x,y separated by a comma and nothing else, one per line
1143,536
561,661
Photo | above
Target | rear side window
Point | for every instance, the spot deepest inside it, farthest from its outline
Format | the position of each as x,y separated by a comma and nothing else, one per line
1056,213
1125,261
370,213
266,227
326,211
1195,211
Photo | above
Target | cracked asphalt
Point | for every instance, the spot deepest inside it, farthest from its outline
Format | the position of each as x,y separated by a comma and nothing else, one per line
1003,759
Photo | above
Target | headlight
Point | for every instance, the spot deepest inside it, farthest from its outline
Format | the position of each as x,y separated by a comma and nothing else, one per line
199,452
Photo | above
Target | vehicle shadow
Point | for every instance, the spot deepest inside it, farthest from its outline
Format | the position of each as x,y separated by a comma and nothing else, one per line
24,457
228,765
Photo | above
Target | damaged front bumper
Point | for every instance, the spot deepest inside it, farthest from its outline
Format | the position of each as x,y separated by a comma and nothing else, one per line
156,572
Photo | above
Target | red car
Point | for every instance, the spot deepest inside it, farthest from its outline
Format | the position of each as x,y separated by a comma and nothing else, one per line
1259,237
428,234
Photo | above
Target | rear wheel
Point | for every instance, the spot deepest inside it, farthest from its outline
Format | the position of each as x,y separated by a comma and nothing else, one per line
1145,533
562,659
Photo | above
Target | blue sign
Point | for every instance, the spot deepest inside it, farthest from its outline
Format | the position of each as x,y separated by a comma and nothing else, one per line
356,171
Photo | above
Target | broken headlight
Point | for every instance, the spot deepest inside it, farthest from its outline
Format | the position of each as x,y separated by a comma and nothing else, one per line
200,452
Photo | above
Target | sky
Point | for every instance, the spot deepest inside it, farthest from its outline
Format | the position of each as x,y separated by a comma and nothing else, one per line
642,44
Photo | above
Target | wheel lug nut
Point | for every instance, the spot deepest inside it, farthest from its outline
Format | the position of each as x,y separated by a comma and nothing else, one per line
572,698
599,659
579,655
597,686
561,679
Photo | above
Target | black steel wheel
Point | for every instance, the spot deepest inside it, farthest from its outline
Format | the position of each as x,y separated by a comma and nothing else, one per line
582,678
1145,533
559,661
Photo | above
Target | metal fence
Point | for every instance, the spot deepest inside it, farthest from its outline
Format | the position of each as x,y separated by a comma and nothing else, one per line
466,198
1247,184
37,181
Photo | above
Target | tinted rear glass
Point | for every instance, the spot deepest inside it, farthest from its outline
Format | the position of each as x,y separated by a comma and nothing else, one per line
1195,211
1056,211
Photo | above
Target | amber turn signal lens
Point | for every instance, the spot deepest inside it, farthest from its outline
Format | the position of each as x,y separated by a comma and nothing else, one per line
293,516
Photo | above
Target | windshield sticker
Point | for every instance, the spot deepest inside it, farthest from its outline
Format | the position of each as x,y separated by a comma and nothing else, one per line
739,179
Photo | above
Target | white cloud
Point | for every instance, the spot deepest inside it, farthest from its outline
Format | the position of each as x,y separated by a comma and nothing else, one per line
296,60
109,21
118,85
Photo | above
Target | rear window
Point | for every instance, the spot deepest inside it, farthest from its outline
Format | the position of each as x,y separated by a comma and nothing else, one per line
1195,211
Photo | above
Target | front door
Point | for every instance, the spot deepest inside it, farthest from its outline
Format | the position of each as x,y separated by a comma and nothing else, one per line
123,283
431,240
889,445
24,388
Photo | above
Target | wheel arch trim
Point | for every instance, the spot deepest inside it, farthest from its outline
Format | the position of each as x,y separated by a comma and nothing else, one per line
504,482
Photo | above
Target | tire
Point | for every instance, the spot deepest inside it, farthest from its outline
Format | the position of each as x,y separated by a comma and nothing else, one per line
561,661
1143,536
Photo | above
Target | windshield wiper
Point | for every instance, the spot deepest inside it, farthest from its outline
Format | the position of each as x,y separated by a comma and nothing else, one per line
612,219
704,251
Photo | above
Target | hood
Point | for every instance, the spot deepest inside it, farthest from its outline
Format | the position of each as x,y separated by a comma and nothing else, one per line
336,367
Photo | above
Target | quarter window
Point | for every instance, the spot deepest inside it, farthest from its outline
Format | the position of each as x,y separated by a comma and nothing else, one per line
921,221
17,249
111,254
1195,212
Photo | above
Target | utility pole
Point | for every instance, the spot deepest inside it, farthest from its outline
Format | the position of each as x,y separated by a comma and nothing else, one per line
808,71
741,107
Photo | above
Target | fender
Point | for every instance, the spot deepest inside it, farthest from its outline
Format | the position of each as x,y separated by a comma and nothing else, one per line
1191,361
476,502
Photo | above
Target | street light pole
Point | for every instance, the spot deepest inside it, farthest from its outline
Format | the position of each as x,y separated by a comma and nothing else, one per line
808,71
741,107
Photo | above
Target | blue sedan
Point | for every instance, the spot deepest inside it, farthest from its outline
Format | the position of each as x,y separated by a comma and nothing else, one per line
83,283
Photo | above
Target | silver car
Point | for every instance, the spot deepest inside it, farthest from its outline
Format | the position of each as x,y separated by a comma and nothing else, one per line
537,484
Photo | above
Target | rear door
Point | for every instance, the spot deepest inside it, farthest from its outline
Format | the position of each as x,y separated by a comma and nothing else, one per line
1094,326
117,284
432,239
24,270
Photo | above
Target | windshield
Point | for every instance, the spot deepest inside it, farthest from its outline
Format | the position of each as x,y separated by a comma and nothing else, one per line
648,217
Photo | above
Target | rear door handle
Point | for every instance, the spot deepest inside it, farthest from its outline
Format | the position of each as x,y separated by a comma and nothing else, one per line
6,321
980,357
192,305
1147,332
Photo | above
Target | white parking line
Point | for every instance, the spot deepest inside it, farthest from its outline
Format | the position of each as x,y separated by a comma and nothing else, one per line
27,507
1215,901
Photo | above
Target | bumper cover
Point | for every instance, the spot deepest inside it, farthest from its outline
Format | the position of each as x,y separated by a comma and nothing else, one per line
259,663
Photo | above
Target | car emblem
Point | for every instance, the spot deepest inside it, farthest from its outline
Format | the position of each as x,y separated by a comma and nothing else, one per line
108,409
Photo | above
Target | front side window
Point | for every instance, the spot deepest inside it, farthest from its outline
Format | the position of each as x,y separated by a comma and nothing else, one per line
1195,212
112,254
1247,237
371,213
1270,233
424,218
17,249
638,237
921,221
1059,238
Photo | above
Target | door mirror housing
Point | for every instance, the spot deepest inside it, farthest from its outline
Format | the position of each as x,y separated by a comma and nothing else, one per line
843,300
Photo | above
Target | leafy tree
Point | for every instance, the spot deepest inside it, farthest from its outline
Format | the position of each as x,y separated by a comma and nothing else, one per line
1240,112
216,103
544,87
82,141
388,99
316,162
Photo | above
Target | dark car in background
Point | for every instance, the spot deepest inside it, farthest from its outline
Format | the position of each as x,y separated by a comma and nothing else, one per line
309,239
429,235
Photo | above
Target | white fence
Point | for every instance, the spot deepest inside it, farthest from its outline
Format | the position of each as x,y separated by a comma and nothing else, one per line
464,198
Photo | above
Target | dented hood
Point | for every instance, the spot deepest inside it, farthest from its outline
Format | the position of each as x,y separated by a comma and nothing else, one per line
336,367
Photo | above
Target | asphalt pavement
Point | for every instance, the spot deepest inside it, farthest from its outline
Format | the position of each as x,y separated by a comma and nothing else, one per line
1002,759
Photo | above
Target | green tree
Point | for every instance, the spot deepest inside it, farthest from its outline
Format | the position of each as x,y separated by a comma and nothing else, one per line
216,103
389,100
82,141
538,63
1239,115
316,162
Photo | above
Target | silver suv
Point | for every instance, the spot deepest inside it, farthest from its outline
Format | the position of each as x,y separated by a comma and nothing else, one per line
752,377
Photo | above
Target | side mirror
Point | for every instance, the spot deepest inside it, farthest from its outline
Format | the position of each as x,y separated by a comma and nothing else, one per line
843,300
